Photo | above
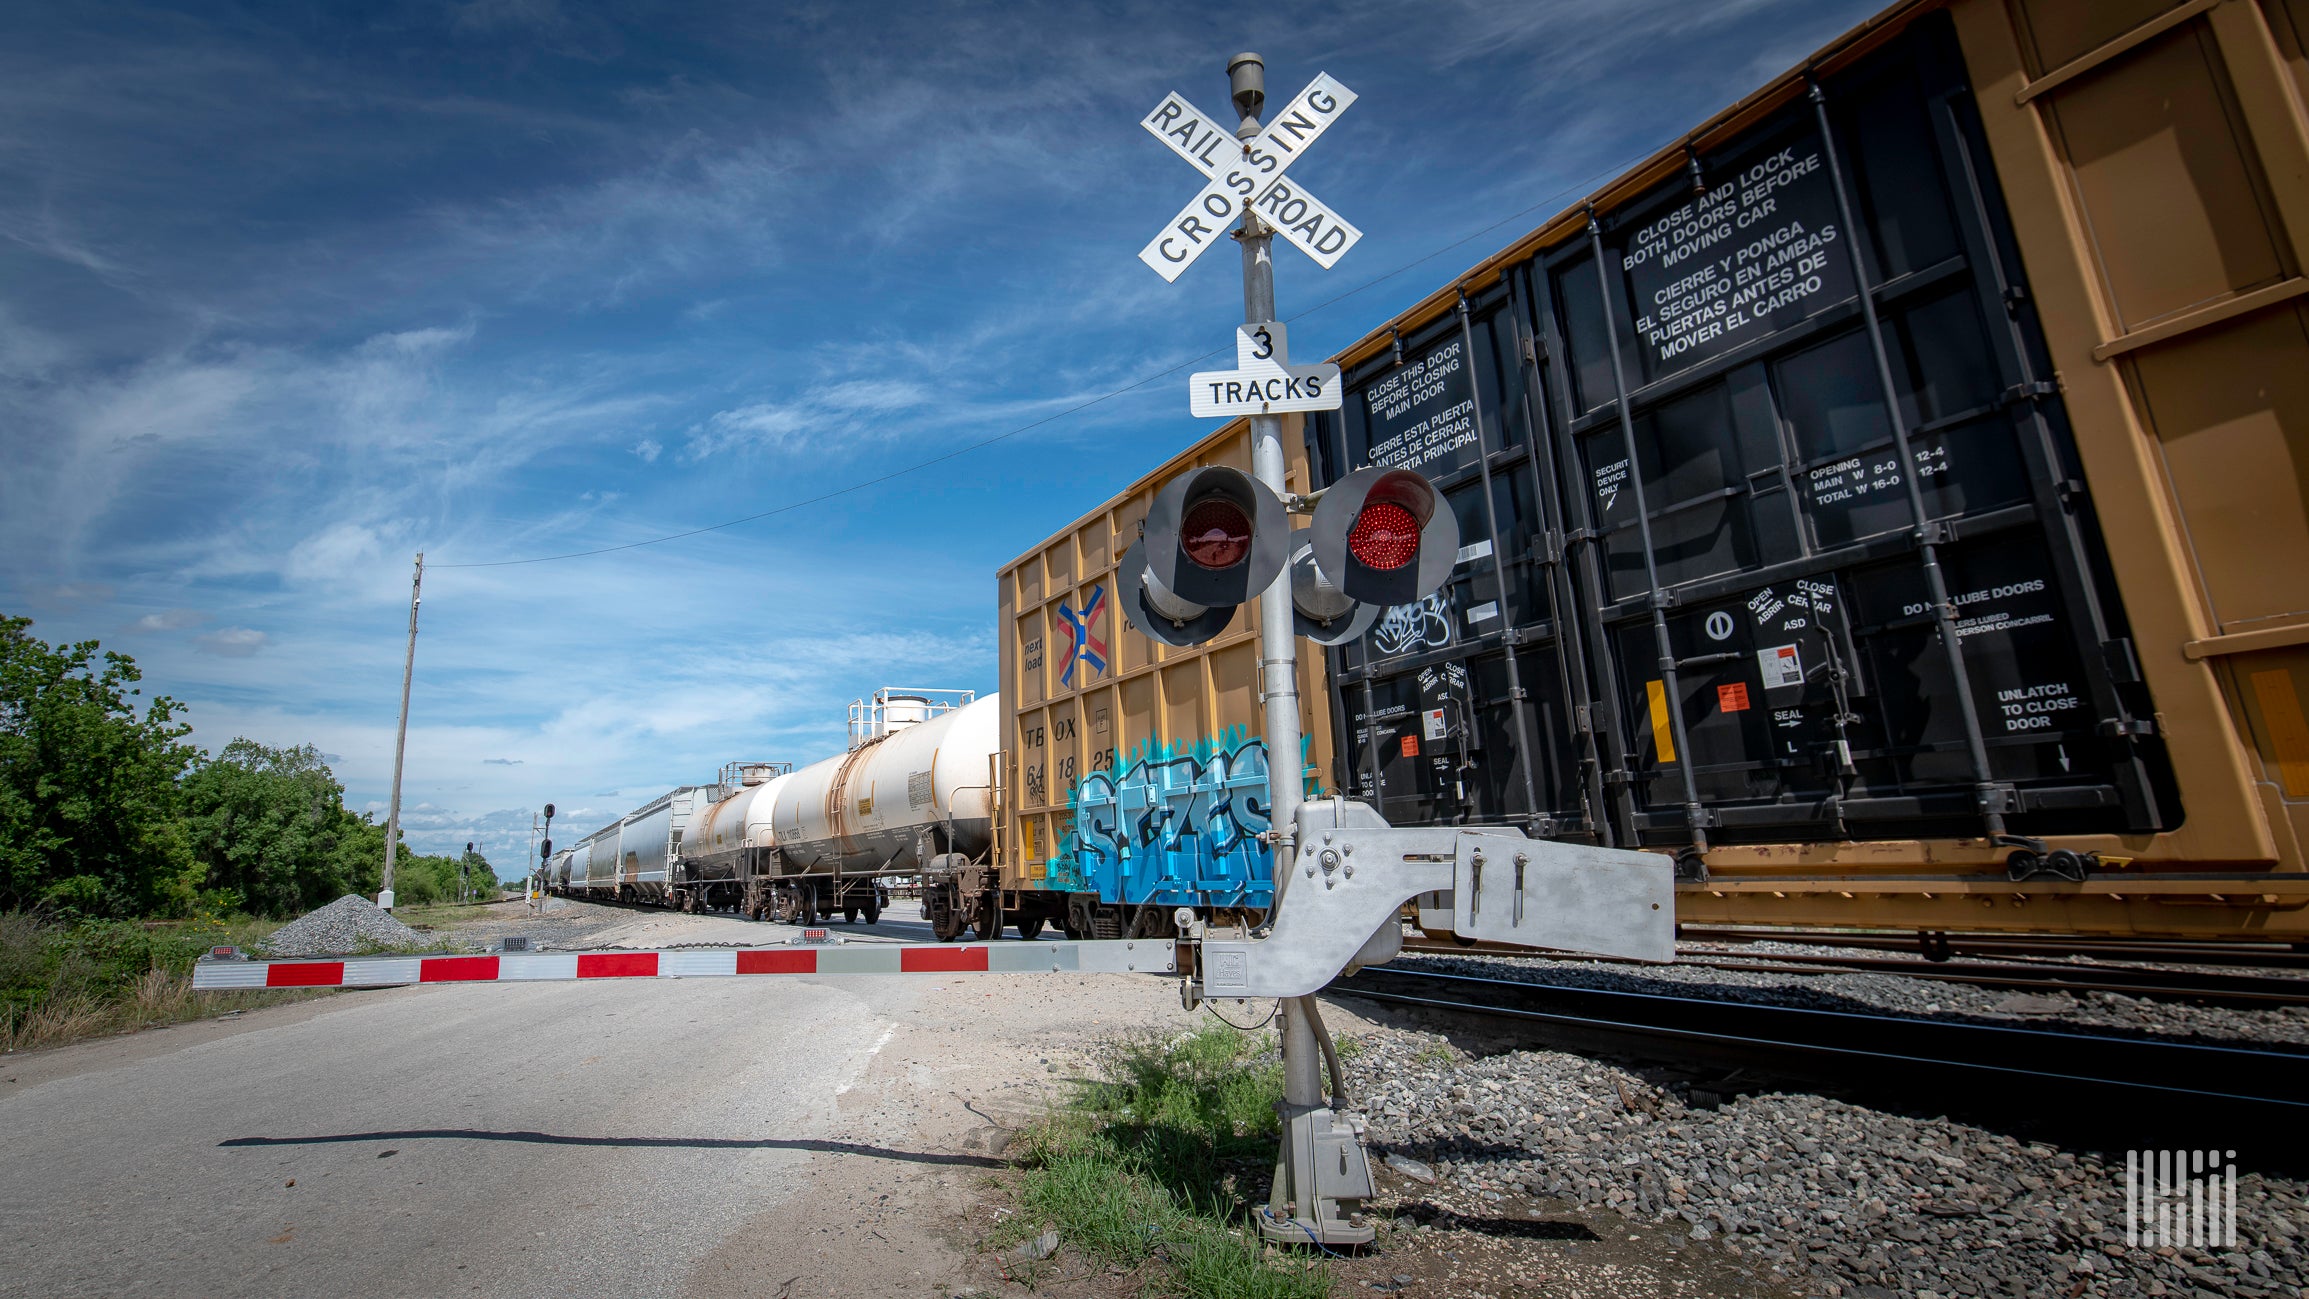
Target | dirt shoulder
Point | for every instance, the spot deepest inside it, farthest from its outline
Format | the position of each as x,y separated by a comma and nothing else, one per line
898,1208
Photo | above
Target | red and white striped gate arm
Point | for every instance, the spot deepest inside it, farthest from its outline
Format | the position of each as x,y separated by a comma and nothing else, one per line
1118,956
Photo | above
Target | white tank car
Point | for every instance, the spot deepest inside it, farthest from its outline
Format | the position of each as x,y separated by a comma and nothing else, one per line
908,787
740,821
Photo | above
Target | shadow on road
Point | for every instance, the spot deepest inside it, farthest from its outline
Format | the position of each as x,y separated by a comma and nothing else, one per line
679,1143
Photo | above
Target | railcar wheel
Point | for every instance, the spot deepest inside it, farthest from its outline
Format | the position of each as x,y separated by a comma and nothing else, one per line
1029,926
849,915
873,912
990,918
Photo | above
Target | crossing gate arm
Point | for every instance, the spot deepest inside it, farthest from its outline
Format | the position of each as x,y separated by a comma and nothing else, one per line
1339,896
1110,956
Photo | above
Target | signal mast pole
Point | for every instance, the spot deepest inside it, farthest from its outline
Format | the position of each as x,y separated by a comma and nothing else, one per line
1278,660
401,739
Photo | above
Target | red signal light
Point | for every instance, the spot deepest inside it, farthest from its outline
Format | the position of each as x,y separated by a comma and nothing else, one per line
1216,534
1385,536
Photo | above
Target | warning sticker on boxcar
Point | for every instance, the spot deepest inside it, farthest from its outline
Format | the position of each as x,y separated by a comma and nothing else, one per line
1733,698
1756,252
1782,666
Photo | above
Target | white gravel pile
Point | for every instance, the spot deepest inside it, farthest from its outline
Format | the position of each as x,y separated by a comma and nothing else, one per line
2107,1012
349,925
1833,1199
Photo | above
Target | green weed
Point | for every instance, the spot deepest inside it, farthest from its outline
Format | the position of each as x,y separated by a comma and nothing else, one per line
61,981
1152,1162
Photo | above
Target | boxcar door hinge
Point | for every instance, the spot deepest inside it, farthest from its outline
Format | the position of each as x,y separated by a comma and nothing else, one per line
2033,390
1530,351
1583,718
1547,547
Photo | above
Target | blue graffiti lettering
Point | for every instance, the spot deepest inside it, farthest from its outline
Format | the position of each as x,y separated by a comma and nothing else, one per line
1174,826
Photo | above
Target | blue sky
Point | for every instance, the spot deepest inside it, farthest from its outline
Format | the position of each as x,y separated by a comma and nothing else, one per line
289,292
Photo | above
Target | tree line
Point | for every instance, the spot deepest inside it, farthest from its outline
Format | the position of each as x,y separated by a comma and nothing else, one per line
106,811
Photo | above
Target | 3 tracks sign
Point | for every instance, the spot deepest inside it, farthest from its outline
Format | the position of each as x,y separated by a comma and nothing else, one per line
1263,382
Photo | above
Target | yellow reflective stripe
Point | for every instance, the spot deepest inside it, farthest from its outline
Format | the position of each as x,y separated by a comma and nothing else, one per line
1663,736
2288,731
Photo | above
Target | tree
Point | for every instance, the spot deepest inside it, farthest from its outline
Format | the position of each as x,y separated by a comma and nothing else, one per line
267,824
88,787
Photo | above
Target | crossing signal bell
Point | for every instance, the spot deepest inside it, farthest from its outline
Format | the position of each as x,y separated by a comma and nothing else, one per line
1216,537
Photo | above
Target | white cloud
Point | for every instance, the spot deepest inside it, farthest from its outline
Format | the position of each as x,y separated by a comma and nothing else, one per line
648,449
232,642
170,620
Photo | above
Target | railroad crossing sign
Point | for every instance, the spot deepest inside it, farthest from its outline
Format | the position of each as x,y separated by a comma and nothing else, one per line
1249,175
1264,381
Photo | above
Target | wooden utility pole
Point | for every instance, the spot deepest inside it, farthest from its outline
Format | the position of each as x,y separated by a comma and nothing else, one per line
401,739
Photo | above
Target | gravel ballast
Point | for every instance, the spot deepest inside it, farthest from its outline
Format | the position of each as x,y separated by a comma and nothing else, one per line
349,925
1827,1197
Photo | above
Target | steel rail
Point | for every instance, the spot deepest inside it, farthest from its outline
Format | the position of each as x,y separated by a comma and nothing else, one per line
2168,985
2021,1066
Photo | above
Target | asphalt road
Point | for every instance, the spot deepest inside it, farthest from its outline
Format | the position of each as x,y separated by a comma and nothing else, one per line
567,1139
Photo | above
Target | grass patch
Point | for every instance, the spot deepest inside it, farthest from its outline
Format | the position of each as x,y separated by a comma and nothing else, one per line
1155,1164
61,981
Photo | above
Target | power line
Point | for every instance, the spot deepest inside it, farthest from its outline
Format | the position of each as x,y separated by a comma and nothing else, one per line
1078,408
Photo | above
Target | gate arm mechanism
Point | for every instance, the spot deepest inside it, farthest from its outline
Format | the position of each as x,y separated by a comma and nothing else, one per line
1353,872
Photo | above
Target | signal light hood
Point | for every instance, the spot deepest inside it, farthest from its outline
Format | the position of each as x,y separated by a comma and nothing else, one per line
1223,514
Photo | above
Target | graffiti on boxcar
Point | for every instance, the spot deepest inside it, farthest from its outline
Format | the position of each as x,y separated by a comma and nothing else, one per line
1425,623
1173,820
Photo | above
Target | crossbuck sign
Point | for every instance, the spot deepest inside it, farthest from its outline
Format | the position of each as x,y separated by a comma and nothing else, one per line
1249,175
